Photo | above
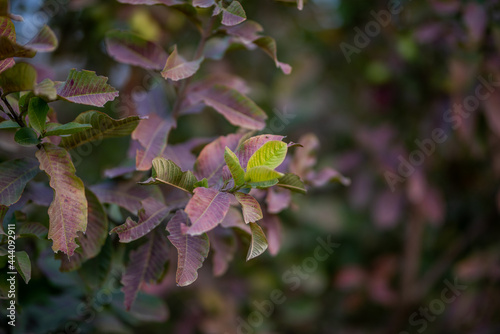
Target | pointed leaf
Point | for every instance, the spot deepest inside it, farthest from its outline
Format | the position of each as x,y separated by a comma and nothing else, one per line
152,214
258,245
166,171
206,209
26,137
128,48
44,41
192,250
46,89
233,14
68,129
68,210
292,182
251,145
9,48
237,108
14,175
147,264
177,68
37,112
20,77
211,159
94,238
152,134
203,183
85,87
251,208
329,175
23,265
103,127
271,155
234,166
261,174
268,44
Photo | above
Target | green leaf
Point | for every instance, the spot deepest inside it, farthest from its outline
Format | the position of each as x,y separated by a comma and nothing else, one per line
203,183
264,184
26,137
261,174
14,175
9,125
29,229
166,171
68,129
68,210
103,127
46,89
233,163
271,155
259,242
234,14
20,77
37,112
292,182
23,265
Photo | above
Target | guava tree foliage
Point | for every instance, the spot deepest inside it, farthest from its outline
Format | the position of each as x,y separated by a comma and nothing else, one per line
231,190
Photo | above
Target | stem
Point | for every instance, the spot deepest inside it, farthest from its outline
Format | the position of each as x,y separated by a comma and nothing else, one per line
13,115
205,35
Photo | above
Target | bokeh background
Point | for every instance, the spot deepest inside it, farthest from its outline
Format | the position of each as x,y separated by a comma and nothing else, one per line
399,244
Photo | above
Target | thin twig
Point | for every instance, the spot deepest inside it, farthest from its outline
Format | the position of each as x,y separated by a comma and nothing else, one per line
13,113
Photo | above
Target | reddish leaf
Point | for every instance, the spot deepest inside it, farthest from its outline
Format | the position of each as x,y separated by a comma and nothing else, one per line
147,264
151,2
234,218
152,214
268,44
85,87
272,225
152,134
206,209
211,159
14,175
247,31
44,41
129,48
233,14
177,68
251,208
278,200
223,245
124,195
192,250
68,211
203,3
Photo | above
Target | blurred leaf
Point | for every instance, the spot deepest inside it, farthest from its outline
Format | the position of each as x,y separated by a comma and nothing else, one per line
14,175
292,182
272,225
23,265
68,211
20,77
206,209
278,199
151,2
233,14
32,230
37,112
268,44
192,250
67,129
177,68
223,245
26,137
203,3
9,125
44,41
46,89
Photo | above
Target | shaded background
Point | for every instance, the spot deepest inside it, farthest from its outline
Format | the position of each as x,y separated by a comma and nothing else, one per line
398,248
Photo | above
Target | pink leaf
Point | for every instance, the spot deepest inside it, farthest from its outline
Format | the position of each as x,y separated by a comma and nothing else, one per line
192,250
68,211
251,145
206,209
152,134
44,41
278,200
177,68
234,219
211,159
152,214
129,48
251,208
151,2
233,14
203,3
272,226
223,244
247,32
268,45
147,264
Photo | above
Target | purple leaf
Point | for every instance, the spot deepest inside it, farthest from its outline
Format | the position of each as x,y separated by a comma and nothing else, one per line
14,175
328,174
278,200
258,244
237,108
152,134
233,14
223,245
211,159
152,214
92,241
251,208
206,209
6,63
68,211
247,32
203,3
234,218
177,68
32,230
272,225
85,87
251,145
44,41
268,44
128,48
192,250
151,2
304,159
147,264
